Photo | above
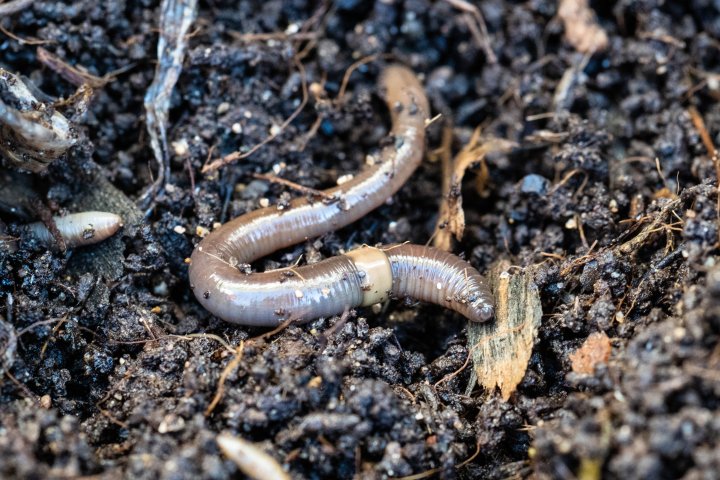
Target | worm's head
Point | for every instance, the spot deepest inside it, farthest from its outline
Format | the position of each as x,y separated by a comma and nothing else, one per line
485,312
481,308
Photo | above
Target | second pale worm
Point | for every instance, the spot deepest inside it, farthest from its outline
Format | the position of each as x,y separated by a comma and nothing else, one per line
361,277
77,229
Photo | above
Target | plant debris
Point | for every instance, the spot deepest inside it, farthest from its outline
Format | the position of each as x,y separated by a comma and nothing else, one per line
582,30
451,220
501,349
596,349
176,18
32,133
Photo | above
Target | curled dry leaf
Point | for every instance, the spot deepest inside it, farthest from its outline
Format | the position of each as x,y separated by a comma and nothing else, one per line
581,28
32,133
596,349
451,221
501,349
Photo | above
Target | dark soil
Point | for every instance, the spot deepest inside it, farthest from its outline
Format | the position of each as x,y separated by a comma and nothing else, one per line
103,380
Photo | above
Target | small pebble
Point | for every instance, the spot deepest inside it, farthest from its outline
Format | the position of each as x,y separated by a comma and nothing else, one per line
535,184
181,147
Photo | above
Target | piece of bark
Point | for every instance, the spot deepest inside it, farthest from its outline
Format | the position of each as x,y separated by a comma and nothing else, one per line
501,348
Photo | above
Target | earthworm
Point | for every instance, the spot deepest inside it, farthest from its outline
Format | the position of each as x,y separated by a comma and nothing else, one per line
77,229
361,277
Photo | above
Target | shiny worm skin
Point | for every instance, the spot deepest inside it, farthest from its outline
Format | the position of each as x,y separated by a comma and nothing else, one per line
77,229
361,277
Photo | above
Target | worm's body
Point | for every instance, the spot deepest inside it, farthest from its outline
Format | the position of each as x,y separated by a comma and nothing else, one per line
363,276
78,229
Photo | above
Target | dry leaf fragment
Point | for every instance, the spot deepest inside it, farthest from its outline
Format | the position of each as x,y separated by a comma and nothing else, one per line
581,28
451,221
501,348
596,349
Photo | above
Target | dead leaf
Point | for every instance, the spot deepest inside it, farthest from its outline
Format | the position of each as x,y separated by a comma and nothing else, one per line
582,30
451,221
596,349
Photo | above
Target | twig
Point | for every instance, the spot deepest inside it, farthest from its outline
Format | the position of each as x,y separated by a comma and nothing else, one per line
54,331
109,393
73,74
316,21
28,393
433,471
478,446
235,362
352,68
205,336
261,37
581,231
274,331
38,324
229,368
712,151
24,41
295,186
457,372
325,337
658,220
567,178
479,31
